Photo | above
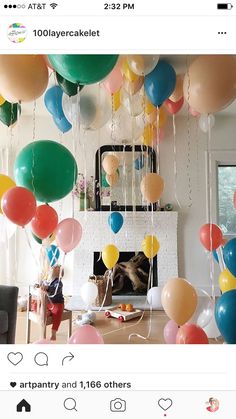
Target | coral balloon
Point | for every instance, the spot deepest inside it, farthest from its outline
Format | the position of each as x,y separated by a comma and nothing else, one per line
47,168
152,186
86,335
110,256
211,236
19,205
150,246
174,107
6,183
23,78
44,222
179,300
178,92
114,80
110,164
191,334
68,234
227,281
170,332
83,69
210,83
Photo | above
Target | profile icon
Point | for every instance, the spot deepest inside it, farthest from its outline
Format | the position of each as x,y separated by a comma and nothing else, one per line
17,33
212,405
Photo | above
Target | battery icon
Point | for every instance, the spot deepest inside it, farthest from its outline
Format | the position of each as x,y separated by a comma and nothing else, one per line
224,6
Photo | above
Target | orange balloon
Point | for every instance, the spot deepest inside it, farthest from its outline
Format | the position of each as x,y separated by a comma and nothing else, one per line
132,87
112,179
22,77
110,164
210,83
179,300
152,186
178,92
191,334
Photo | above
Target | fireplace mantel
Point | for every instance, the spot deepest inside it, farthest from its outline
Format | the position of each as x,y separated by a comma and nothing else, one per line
97,234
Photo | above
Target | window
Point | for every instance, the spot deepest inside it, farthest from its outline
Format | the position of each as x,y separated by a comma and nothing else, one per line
226,189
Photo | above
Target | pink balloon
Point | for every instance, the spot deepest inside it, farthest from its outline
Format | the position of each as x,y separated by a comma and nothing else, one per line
68,234
170,332
114,80
43,342
193,112
86,335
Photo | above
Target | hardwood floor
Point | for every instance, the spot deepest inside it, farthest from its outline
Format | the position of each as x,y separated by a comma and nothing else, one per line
112,330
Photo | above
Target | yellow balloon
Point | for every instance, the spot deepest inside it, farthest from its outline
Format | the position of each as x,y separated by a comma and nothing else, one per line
149,135
127,72
116,101
5,183
2,100
150,246
227,281
149,107
110,256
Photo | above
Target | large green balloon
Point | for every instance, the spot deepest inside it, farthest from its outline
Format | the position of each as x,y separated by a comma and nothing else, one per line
83,69
47,168
8,113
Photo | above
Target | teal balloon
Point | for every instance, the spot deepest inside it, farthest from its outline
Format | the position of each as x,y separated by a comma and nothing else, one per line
139,162
115,221
46,168
83,69
53,254
9,113
104,181
225,314
160,83
229,254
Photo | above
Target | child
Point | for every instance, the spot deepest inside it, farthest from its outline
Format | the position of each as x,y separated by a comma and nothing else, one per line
54,298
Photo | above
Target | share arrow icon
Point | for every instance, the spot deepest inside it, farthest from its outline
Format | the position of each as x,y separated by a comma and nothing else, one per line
68,358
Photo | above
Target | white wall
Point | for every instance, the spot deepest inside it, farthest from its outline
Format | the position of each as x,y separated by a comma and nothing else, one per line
193,262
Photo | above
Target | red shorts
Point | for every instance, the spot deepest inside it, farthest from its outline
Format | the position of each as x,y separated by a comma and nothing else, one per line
56,310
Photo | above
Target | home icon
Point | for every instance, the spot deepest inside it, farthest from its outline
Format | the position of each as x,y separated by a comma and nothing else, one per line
23,406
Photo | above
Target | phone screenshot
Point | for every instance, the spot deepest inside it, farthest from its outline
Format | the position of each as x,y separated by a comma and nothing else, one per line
117,209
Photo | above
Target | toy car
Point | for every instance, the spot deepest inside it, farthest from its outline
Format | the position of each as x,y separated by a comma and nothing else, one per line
122,316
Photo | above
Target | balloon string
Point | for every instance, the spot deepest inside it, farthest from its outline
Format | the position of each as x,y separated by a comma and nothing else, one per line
210,210
109,280
175,163
29,244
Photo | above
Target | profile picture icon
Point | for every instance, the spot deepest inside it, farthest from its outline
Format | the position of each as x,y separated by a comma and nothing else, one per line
17,33
212,405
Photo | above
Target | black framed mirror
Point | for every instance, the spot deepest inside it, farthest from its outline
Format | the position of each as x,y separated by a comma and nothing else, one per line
135,162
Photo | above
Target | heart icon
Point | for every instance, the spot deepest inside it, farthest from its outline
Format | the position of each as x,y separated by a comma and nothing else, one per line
165,404
13,384
15,357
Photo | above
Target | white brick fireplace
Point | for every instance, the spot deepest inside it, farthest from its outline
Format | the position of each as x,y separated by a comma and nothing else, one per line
97,234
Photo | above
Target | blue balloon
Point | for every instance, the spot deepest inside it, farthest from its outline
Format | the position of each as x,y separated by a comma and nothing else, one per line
62,124
115,221
53,254
229,254
139,162
160,83
225,314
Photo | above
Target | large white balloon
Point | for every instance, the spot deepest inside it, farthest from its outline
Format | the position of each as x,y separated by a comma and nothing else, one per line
95,107
154,298
89,293
123,128
7,229
204,312
134,104
142,64
206,122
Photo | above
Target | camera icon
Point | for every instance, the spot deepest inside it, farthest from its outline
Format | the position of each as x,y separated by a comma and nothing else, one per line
118,405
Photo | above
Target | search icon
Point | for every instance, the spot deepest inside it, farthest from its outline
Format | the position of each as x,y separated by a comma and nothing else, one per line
70,404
